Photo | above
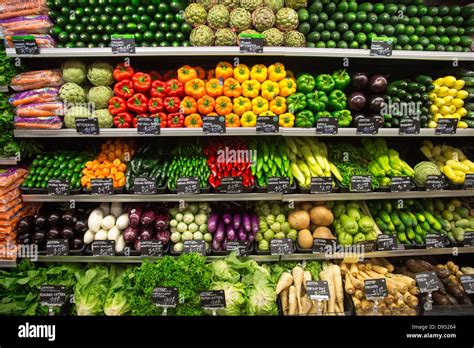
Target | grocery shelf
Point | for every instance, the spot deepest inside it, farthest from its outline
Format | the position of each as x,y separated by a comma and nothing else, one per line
135,259
383,132
8,161
7,263
235,51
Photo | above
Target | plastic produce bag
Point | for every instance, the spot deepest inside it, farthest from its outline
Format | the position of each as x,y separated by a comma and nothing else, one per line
26,24
53,122
40,110
41,95
37,79
11,175
9,9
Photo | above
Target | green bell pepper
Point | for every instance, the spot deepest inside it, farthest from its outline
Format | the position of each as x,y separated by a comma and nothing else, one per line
344,118
296,102
322,114
316,101
341,79
305,83
304,119
325,83
337,100
375,169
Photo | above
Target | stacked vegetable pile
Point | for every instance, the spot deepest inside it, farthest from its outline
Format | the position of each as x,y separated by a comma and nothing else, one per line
272,161
353,223
320,96
222,24
273,224
366,99
159,24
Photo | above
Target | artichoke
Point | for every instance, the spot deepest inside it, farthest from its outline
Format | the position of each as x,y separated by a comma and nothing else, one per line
274,5
201,36
294,38
207,4
296,4
240,19
195,14
100,96
100,74
273,37
74,71
72,93
287,19
225,37
218,17
230,4
263,18
104,117
251,5
73,113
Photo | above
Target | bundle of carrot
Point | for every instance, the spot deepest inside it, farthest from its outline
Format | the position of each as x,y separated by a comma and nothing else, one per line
402,291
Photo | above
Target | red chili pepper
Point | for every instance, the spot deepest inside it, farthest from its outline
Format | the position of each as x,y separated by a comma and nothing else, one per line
124,89
123,72
174,88
117,105
163,118
123,120
155,105
175,120
158,89
172,104
138,103
155,75
141,82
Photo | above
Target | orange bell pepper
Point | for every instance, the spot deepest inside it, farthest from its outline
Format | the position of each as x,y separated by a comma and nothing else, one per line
224,70
188,105
196,88
232,88
223,105
186,73
232,120
201,73
212,114
214,88
241,73
193,121
278,105
206,104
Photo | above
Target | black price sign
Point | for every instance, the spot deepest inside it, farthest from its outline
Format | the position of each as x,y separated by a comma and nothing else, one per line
103,248
57,247
375,289
321,184
25,45
87,126
278,184
446,126
318,290
369,245
52,295
151,248
386,242
468,239
102,186
267,124
434,241
319,245
381,46
166,297
469,182
467,282
213,299
58,187
239,246
188,185
367,125
251,43
435,183
148,125
327,125
231,184
409,126
400,184
122,44
213,124
427,281
195,246
281,246
144,185
361,183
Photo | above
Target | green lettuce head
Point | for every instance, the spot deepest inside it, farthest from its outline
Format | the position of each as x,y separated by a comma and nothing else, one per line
235,297
100,74
222,271
74,71
262,298
91,290
100,96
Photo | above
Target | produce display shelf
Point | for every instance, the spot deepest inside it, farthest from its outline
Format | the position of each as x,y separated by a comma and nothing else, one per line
7,263
8,161
186,132
235,51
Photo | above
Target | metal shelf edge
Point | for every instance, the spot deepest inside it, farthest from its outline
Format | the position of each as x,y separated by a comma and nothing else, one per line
8,161
7,263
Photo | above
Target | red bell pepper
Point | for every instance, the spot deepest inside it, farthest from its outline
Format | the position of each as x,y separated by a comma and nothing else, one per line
124,89
123,72
170,74
155,105
158,89
135,122
141,82
155,75
175,120
174,88
138,103
172,104
163,118
123,120
117,105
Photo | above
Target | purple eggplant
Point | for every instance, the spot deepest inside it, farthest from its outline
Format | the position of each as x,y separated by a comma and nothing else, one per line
251,237
80,225
77,243
376,103
220,232
53,233
360,81
216,245
230,233
39,236
242,233
227,217
246,222
237,221
212,222
147,232
130,234
25,224
24,238
379,120
40,221
148,217
357,101
164,236
224,244
378,84
358,117
68,217
161,222
137,245
134,217
54,218
67,232
255,223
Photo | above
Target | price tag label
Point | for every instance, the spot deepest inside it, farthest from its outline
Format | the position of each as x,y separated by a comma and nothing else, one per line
435,183
427,281
375,289
278,184
386,242
321,184
87,126
25,45
148,125
239,246
409,126
267,124
3,88
57,247
361,183
318,290
58,187
434,241
52,295
281,246
369,245
446,126
213,299
231,184
213,124
469,182
327,125
103,248
368,125
195,246
321,245
153,248
102,186
122,44
467,282
166,297
400,184
251,43
468,239
188,185
144,185
381,46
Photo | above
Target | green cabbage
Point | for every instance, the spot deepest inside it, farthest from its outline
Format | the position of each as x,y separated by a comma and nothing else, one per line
116,302
221,271
91,290
72,93
262,296
100,74
73,113
100,96
74,71
235,298
105,118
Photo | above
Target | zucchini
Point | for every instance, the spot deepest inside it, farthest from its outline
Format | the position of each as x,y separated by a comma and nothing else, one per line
424,79
469,81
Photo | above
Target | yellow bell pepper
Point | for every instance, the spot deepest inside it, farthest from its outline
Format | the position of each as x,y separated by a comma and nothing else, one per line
267,113
287,86
259,105
259,72
241,104
276,72
286,120
248,119
241,73
278,105
270,90
251,88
